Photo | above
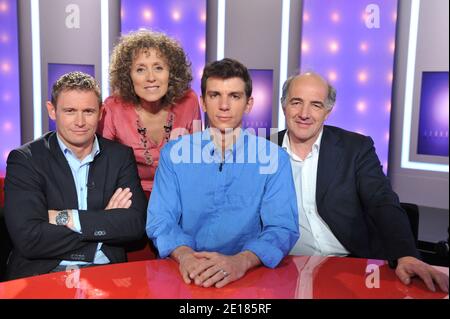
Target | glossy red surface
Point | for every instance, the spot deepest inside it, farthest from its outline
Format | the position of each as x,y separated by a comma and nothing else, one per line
296,277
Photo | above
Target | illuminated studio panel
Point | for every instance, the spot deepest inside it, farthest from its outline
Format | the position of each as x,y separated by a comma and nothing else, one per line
433,120
9,81
261,113
352,44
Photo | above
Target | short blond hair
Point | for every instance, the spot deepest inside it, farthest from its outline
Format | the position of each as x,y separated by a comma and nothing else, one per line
75,81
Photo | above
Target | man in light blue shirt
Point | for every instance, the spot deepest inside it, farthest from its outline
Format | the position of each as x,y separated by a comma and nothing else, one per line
80,172
224,200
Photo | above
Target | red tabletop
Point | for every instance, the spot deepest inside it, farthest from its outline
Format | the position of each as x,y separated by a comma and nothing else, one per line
295,278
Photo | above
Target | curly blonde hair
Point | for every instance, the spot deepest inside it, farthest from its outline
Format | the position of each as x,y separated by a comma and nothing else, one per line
135,42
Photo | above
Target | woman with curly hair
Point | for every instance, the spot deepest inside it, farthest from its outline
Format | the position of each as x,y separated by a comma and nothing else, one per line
151,100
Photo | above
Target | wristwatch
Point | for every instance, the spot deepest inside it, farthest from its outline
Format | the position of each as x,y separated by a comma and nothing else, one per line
62,218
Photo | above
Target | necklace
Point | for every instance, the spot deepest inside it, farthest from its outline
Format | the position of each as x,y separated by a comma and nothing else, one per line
142,131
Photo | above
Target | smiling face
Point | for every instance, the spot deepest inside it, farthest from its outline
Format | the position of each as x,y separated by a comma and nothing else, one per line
225,102
305,108
77,114
150,75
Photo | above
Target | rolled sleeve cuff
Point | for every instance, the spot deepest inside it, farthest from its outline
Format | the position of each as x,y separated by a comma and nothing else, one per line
167,245
269,255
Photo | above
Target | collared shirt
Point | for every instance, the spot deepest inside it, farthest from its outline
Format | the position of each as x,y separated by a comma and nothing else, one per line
244,200
316,238
80,173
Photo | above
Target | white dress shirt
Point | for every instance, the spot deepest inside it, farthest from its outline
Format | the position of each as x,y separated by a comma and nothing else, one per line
316,238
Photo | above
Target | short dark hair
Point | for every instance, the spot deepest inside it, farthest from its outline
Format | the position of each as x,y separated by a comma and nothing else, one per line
225,69
75,81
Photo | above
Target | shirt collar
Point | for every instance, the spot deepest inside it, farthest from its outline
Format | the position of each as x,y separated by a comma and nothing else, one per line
234,148
286,145
88,158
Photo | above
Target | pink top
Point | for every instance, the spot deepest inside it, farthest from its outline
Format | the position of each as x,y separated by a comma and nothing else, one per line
120,122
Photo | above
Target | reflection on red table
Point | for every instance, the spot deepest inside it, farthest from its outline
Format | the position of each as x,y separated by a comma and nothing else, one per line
296,277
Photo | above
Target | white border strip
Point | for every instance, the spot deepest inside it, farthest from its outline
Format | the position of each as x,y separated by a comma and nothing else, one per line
104,8
284,54
221,5
36,68
409,94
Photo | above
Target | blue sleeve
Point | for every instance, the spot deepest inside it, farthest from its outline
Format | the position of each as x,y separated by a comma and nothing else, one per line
164,209
279,216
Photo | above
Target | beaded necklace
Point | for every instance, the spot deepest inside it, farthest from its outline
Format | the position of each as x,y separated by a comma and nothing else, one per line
143,136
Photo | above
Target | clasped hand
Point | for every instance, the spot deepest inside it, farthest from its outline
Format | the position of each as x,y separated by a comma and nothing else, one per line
209,268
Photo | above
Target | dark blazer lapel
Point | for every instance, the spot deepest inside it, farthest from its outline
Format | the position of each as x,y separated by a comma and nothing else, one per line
329,159
280,137
66,184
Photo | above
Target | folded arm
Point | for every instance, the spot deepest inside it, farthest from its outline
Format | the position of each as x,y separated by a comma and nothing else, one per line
26,214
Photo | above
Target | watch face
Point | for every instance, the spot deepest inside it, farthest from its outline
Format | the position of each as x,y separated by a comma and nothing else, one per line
62,218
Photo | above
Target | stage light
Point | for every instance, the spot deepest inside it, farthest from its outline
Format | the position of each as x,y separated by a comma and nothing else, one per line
4,38
333,46
335,17
202,45
392,46
203,17
5,67
176,15
389,77
7,126
361,106
147,15
3,6
306,17
305,46
332,76
388,107
362,76
6,97
363,46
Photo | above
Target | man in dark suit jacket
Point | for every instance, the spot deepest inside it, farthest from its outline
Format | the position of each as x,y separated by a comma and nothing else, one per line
346,204
71,198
